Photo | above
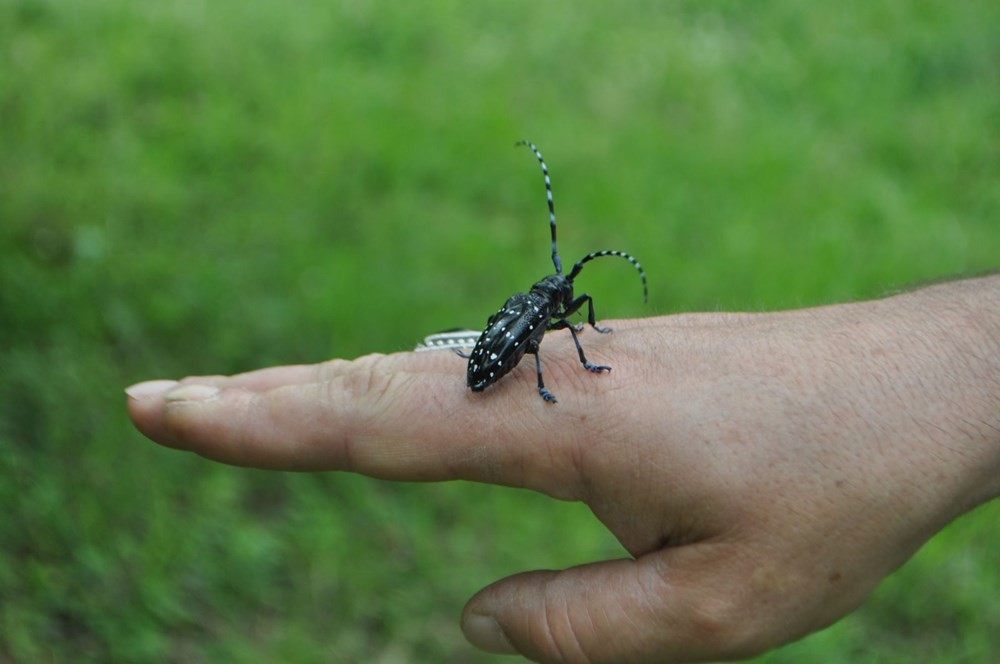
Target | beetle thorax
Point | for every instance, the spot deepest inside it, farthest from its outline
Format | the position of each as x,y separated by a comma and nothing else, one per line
557,289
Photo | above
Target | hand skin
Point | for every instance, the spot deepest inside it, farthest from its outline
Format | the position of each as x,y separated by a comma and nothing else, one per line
765,471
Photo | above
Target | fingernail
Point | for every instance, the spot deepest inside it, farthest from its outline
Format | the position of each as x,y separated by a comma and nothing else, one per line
484,632
149,388
192,393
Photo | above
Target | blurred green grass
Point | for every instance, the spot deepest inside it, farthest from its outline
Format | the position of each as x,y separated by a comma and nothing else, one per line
191,187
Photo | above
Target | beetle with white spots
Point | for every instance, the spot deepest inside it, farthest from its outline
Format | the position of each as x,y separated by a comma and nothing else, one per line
518,327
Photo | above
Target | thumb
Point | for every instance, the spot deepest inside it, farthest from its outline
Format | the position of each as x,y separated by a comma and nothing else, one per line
643,610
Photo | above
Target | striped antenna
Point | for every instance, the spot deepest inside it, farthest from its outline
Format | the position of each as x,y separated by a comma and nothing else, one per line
597,254
556,260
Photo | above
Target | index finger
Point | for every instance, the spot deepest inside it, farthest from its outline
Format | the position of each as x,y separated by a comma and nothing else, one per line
405,416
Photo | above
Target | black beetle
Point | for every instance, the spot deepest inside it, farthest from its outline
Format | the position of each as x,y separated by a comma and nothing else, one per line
518,327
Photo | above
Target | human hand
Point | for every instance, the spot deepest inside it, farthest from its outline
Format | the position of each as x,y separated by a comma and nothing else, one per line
766,471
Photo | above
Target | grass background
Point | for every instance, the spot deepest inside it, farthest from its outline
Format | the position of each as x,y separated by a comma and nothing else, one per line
210,187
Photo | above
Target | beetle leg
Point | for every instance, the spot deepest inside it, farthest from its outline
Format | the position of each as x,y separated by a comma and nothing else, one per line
578,328
563,323
533,349
575,305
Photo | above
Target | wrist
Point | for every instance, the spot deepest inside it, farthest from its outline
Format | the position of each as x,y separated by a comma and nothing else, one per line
953,331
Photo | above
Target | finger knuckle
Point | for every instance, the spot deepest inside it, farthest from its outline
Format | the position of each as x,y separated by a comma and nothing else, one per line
562,634
728,624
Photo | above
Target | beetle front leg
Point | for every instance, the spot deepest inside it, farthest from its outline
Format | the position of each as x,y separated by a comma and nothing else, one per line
575,305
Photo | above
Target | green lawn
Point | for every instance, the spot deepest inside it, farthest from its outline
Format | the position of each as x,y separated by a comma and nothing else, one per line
209,187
